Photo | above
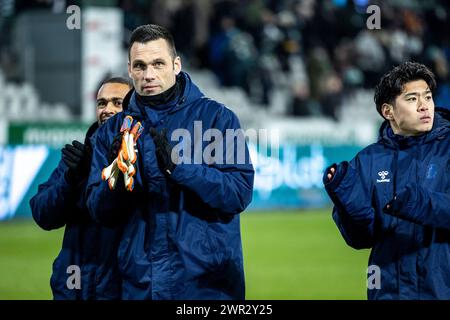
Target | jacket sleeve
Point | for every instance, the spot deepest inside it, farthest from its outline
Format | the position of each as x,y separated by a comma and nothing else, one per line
352,212
107,207
226,187
54,204
422,206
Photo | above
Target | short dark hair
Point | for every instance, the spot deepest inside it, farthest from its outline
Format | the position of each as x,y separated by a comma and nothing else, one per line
122,80
150,32
392,83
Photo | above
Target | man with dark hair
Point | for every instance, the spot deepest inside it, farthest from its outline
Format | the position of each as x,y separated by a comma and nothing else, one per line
86,267
110,97
151,32
181,221
394,196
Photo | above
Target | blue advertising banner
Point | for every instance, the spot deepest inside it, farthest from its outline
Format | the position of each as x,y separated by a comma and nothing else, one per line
289,177
22,169
293,179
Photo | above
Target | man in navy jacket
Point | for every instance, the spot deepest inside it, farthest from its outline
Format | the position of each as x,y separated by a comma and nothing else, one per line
181,221
86,267
394,196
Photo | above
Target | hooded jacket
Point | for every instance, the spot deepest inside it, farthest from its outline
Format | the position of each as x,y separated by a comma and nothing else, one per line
86,245
410,241
182,233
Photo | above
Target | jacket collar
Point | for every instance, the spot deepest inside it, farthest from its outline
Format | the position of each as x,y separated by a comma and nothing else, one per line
441,127
189,94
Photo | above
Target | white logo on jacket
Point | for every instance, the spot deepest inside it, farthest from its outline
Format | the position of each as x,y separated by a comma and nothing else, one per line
383,175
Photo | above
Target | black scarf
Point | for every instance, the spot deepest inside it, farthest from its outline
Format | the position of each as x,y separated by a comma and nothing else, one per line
164,98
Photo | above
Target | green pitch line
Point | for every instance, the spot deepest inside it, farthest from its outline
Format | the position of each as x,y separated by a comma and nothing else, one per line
287,255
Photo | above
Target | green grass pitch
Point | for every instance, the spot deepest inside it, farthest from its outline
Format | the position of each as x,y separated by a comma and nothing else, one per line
287,255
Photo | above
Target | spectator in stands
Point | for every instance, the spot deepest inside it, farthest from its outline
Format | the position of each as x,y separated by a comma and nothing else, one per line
440,66
393,197
301,104
232,54
182,227
86,267
332,95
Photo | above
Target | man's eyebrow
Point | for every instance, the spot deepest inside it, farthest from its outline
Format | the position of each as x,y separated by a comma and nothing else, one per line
417,93
112,98
161,60
138,61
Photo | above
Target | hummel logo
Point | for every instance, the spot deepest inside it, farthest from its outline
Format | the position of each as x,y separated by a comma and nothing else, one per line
383,175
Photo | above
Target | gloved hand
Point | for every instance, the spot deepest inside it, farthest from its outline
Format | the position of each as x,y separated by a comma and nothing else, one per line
405,201
123,155
163,151
389,208
77,157
334,174
115,147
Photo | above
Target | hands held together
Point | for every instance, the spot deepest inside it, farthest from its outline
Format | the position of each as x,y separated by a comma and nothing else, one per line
77,156
163,152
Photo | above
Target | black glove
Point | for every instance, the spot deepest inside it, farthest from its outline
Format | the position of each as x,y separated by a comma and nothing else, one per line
163,151
77,157
114,148
391,207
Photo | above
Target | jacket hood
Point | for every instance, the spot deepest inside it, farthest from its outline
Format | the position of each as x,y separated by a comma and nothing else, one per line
443,112
441,127
189,94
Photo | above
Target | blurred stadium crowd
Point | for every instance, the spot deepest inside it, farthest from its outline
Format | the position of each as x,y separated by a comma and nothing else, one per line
314,53
321,50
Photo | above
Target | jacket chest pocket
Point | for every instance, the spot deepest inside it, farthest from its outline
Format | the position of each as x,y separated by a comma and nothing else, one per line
436,177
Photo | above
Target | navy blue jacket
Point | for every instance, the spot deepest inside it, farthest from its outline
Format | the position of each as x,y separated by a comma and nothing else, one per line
410,242
182,235
86,244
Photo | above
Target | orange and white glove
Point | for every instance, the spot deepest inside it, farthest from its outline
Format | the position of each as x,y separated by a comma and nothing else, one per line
126,157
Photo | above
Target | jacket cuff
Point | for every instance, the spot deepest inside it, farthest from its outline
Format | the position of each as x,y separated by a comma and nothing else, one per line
180,172
341,171
404,202
67,182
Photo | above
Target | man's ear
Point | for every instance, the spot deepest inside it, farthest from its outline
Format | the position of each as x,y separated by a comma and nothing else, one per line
387,111
177,65
129,70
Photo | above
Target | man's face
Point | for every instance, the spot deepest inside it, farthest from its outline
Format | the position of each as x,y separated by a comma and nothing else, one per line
152,67
109,100
413,110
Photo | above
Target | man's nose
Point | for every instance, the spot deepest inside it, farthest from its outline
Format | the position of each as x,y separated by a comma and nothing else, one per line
109,108
149,73
423,104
